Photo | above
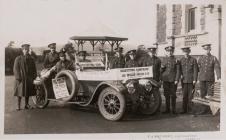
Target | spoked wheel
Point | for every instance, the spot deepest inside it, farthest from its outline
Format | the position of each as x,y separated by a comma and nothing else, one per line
151,103
111,104
41,98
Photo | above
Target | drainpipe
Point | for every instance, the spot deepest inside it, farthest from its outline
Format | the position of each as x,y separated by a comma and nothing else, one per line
219,30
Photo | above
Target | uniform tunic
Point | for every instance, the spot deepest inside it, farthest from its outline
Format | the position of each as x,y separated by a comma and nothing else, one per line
51,59
189,69
170,69
25,72
207,64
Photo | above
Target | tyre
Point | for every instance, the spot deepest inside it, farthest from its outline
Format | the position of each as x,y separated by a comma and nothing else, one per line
71,82
41,98
151,103
111,104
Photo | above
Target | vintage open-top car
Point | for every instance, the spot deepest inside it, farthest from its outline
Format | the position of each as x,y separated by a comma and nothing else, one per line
92,83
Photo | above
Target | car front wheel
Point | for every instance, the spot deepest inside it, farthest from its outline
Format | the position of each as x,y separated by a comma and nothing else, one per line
111,104
151,103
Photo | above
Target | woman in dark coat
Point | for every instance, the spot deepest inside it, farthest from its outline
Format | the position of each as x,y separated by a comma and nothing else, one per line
25,72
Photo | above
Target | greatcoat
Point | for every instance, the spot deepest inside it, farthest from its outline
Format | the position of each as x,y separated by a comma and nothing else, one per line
25,72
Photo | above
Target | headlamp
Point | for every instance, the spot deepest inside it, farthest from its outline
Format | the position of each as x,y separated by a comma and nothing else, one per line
130,87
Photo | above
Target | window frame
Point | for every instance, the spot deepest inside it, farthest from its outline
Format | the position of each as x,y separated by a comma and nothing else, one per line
191,19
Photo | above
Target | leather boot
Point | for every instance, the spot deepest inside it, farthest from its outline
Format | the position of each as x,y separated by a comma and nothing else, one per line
173,103
27,106
167,110
18,103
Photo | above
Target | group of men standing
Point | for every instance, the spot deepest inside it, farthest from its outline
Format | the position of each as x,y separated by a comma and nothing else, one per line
170,71
25,70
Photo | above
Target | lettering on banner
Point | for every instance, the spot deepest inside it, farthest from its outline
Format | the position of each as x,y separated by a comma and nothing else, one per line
133,73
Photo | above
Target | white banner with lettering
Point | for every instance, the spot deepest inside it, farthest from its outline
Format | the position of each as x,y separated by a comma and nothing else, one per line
116,74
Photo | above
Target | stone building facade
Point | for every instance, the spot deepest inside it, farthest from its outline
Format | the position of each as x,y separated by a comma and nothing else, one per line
189,25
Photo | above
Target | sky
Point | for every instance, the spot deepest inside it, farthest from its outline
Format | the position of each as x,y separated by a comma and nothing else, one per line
40,22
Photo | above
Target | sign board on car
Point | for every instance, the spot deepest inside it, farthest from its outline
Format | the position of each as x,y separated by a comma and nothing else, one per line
60,88
116,74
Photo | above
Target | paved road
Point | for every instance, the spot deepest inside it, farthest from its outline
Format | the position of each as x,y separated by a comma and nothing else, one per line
64,118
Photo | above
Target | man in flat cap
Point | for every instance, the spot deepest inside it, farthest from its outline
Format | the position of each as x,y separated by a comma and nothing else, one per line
170,74
131,62
51,58
118,61
152,60
207,65
25,72
189,74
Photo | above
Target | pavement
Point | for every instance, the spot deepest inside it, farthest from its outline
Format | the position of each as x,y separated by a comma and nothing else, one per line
60,118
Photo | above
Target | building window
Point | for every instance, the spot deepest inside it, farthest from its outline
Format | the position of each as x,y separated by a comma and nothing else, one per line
191,19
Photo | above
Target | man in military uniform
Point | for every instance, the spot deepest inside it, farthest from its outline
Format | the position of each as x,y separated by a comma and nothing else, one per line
189,74
118,61
152,60
131,62
52,58
170,73
207,64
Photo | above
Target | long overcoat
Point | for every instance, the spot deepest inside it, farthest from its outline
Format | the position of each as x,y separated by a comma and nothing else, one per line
25,72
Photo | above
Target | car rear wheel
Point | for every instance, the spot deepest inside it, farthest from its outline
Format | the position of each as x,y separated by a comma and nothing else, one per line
41,98
111,104
151,103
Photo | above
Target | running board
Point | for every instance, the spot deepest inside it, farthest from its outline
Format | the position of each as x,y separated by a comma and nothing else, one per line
55,100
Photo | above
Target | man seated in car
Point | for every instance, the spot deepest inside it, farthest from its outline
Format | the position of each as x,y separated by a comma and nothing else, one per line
82,56
63,64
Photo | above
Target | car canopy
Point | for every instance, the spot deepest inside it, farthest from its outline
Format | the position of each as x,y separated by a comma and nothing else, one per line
94,40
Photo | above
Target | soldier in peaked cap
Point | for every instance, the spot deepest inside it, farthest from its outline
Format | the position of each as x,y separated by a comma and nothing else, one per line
170,72
207,65
189,74
131,62
51,58
118,61
25,72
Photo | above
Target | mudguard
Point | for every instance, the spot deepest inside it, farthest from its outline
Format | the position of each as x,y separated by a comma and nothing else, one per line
117,85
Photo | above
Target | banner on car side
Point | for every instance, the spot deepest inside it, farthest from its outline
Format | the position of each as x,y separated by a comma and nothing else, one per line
116,74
